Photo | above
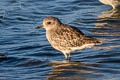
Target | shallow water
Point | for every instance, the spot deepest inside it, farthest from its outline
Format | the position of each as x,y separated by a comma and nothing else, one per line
30,56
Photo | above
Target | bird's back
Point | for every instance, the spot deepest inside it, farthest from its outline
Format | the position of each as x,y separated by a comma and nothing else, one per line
67,37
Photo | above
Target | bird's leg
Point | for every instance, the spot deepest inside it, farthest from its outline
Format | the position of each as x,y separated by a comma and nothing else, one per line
69,57
113,6
66,56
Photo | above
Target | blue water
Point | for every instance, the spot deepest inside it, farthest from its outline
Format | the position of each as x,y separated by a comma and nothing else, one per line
29,56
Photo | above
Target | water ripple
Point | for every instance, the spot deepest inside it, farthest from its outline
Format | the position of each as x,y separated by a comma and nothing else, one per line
28,54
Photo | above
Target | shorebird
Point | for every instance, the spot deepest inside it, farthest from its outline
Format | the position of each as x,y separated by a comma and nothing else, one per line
113,3
66,38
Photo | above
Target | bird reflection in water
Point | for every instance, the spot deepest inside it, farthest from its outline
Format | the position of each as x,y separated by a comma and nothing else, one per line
113,14
65,70
108,27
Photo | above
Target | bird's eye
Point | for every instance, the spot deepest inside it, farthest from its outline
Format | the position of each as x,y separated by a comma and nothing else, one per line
48,22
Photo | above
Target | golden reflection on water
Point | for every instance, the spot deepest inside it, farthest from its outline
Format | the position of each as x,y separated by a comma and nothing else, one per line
114,14
65,70
109,20
108,26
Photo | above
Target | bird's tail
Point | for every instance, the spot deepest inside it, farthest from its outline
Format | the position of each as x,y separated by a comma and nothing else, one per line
98,42
93,40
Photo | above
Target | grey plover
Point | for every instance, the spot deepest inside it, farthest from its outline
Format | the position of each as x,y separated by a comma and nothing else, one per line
113,3
66,38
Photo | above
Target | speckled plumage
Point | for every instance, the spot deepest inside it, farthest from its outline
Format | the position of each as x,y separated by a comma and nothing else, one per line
113,3
66,38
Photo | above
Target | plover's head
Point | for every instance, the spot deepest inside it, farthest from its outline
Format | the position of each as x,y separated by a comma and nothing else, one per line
49,23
